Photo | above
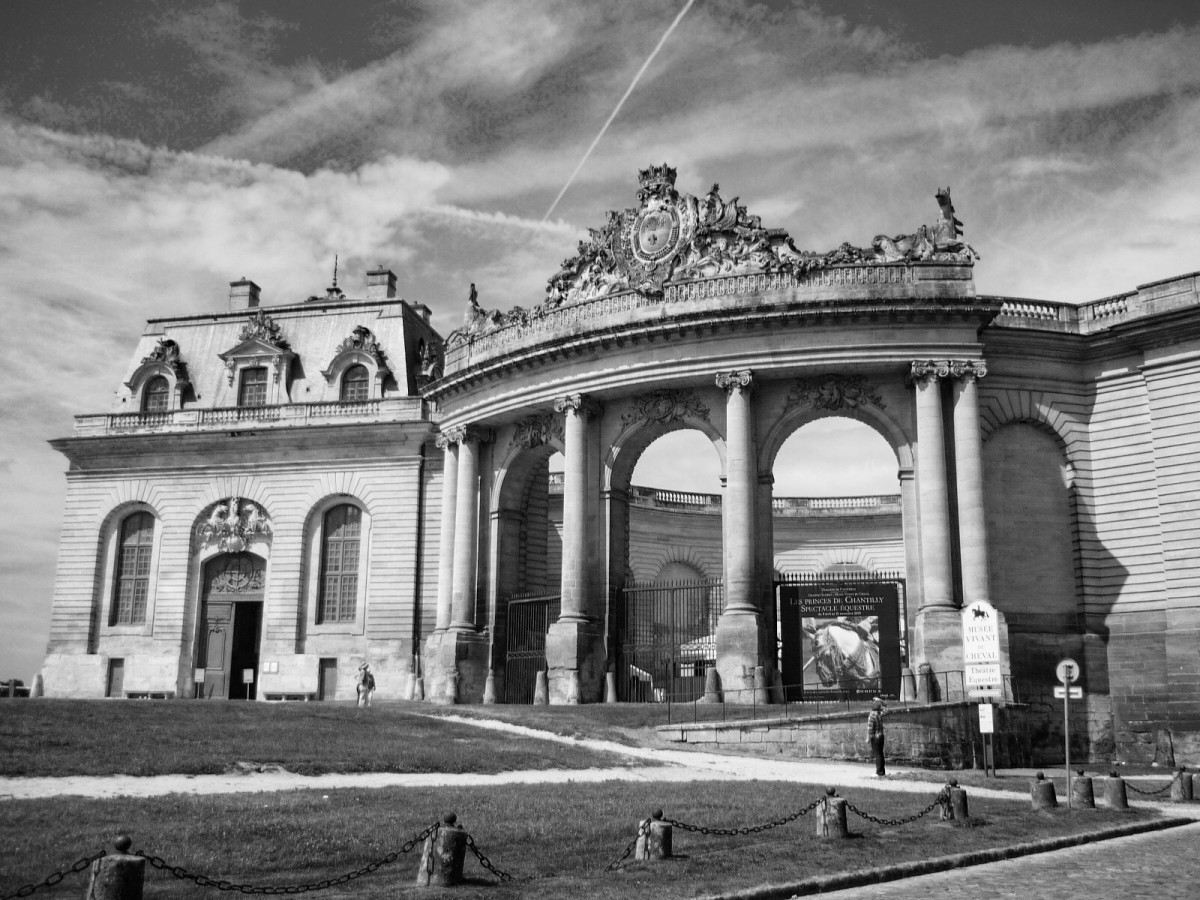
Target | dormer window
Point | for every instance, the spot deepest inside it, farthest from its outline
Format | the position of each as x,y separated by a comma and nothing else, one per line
156,395
252,388
356,385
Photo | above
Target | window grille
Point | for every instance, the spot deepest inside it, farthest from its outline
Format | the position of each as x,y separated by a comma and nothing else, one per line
252,390
157,395
133,570
340,540
356,386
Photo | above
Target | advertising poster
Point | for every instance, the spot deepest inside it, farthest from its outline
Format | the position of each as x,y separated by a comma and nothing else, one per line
840,639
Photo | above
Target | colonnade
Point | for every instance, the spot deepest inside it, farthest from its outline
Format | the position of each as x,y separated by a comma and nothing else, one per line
457,657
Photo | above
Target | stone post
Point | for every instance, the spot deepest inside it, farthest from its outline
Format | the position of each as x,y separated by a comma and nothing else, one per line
938,637
654,838
1115,795
575,643
1083,795
1181,787
738,639
443,854
118,876
1041,793
831,816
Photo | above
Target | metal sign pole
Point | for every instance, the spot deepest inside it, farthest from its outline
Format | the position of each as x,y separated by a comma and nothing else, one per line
1067,738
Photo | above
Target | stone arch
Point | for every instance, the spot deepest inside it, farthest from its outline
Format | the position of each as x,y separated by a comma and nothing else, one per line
685,557
627,448
796,417
341,484
998,408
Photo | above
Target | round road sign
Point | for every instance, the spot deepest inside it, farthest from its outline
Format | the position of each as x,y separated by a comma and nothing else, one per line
1067,671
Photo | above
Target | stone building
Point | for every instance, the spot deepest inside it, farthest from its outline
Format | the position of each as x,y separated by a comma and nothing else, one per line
380,493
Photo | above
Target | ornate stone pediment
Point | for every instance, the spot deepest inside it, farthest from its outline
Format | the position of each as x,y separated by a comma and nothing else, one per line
673,237
261,343
834,392
233,524
535,431
164,359
360,347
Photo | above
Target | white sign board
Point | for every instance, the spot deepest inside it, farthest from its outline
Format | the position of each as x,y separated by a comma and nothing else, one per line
985,718
1067,671
198,676
1060,693
981,646
247,676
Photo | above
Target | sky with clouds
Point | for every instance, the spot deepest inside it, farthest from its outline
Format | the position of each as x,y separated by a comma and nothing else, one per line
152,152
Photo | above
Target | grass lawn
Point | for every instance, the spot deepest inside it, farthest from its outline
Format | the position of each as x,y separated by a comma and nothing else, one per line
99,737
555,840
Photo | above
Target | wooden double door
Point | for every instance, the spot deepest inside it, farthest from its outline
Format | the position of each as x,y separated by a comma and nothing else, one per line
231,626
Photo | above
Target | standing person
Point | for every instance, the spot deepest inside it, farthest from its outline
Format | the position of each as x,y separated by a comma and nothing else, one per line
366,684
875,734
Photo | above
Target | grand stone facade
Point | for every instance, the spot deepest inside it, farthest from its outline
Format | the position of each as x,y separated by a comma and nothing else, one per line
1045,456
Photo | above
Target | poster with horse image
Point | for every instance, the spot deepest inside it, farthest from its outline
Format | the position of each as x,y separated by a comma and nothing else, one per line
840,639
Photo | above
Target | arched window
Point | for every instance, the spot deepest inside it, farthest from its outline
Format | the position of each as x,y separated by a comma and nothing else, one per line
156,396
356,385
340,539
252,389
132,582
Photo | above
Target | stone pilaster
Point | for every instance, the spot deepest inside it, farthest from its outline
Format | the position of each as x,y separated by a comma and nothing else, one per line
968,467
575,643
739,636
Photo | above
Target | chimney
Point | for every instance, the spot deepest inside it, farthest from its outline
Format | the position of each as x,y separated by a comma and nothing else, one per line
422,310
381,283
243,294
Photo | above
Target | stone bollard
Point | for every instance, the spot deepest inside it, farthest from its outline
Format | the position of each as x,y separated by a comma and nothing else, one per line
610,687
908,685
831,816
1115,795
761,697
1196,786
418,692
38,686
118,876
1041,792
712,686
926,685
541,689
958,801
443,854
1181,787
654,838
1082,793
489,688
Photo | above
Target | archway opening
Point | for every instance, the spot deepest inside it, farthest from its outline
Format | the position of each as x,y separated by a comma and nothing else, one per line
838,553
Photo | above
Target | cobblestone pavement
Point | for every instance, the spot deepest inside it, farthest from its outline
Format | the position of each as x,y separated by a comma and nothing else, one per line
1160,865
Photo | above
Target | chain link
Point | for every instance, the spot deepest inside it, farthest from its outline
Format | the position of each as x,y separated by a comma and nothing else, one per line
485,862
755,829
55,877
642,828
1162,790
221,885
941,799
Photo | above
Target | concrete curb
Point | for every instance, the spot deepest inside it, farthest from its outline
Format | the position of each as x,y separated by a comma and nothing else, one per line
861,877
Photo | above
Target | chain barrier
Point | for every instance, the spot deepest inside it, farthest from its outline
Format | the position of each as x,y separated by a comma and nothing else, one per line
1162,790
942,799
643,827
54,878
485,862
755,829
221,885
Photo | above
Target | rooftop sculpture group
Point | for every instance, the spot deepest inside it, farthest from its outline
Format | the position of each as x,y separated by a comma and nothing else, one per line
677,237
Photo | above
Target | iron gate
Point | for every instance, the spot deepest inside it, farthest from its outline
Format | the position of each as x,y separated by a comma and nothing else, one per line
667,640
529,618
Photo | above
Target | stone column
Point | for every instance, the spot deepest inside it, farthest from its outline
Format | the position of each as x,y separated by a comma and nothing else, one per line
739,639
575,643
446,548
457,671
968,464
910,522
938,638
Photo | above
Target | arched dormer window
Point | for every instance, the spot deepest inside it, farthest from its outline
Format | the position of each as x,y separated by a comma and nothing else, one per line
131,580
156,395
356,384
260,363
359,351
341,542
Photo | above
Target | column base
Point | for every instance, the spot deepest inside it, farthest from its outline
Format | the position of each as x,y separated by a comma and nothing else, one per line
575,662
739,654
455,667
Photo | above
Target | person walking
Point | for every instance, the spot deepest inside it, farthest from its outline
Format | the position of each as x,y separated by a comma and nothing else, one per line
875,734
366,684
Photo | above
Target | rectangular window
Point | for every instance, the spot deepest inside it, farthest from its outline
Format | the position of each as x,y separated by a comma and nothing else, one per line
252,389
339,564
132,577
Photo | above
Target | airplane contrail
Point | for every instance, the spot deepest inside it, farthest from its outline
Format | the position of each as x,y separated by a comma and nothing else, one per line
620,103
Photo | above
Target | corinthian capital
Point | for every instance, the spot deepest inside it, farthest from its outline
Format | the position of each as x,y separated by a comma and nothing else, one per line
930,369
464,434
579,404
740,380
968,369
